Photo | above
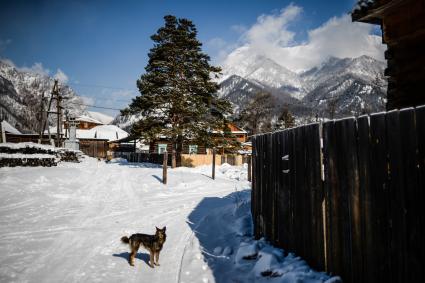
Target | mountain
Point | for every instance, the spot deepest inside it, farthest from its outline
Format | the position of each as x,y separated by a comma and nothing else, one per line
263,71
348,86
355,86
21,93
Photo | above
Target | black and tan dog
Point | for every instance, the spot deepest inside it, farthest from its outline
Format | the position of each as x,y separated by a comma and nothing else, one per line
153,243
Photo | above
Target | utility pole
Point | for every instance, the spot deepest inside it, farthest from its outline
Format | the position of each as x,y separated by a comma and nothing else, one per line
58,113
41,118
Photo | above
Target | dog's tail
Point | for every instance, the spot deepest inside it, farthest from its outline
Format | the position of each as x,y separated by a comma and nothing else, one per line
125,240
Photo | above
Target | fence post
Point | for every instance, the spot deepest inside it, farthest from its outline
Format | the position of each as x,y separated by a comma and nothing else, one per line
164,168
213,165
173,159
3,134
249,168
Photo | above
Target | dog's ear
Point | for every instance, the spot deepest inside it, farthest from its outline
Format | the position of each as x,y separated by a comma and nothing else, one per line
157,228
164,228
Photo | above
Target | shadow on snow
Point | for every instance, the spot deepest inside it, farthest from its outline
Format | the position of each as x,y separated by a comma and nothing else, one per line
214,222
140,255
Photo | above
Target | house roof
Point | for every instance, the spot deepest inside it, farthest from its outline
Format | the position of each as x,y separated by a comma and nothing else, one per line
9,128
372,11
109,132
101,132
84,118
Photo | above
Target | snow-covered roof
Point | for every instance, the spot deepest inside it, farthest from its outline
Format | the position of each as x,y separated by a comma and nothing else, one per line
109,132
84,118
103,118
9,128
362,4
362,9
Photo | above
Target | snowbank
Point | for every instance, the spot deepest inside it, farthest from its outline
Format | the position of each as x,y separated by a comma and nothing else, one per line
224,170
222,249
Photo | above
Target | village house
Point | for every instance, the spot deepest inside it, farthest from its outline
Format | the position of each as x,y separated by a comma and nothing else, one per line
163,144
94,137
403,30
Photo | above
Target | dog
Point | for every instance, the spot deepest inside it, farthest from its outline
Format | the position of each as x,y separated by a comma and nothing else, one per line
153,243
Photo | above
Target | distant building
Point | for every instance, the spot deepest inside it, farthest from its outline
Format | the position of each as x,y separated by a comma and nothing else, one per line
163,143
94,138
85,123
403,30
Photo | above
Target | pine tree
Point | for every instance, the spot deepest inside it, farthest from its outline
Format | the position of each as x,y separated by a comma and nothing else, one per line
256,117
178,96
285,119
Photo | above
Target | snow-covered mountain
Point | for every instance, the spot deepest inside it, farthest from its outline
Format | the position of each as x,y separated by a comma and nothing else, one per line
21,93
264,71
354,85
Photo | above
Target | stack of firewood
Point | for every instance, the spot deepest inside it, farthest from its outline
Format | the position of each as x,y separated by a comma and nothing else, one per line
31,154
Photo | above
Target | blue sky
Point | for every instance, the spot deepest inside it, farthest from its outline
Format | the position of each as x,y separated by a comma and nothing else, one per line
102,46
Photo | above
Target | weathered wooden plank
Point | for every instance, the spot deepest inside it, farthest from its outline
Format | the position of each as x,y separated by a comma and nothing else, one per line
333,241
273,187
315,186
411,192
279,188
269,186
368,200
397,198
285,192
292,189
253,183
420,133
346,164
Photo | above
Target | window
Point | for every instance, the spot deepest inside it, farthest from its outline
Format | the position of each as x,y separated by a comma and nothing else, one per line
162,147
193,149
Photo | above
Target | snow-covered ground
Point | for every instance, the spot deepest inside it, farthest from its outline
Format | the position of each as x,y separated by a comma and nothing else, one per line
64,224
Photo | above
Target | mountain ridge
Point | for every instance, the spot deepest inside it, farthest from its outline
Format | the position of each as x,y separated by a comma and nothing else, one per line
357,85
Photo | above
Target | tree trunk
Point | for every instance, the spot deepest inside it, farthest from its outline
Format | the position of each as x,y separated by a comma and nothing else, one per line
173,158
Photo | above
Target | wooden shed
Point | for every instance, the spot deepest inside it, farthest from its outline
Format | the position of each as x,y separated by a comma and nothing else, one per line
403,30
94,147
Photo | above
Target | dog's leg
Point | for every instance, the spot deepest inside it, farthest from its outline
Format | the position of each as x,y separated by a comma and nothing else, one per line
151,259
134,247
156,255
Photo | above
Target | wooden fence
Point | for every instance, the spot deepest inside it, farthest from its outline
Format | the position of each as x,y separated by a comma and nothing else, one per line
347,196
94,147
154,158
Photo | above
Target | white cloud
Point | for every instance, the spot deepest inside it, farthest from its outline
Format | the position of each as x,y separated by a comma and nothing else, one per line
125,93
271,36
4,43
61,76
37,68
238,28
88,100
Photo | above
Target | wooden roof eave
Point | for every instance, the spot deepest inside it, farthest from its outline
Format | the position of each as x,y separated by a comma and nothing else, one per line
374,14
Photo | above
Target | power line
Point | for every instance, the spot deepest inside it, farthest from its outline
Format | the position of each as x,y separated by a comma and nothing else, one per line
94,106
101,86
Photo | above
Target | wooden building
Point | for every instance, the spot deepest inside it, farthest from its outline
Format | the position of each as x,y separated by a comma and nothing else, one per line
163,144
94,147
85,123
403,30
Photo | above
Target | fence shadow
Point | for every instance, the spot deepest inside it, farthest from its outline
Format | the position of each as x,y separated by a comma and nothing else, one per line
158,178
212,232
136,164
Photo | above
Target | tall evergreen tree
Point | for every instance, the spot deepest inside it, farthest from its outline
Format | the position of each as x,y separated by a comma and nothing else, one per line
256,117
178,96
285,120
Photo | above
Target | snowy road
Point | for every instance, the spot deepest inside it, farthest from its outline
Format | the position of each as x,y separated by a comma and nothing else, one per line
63,224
